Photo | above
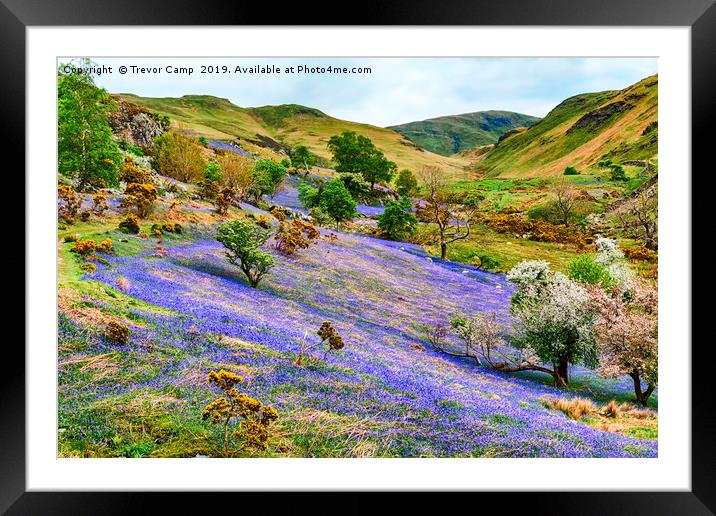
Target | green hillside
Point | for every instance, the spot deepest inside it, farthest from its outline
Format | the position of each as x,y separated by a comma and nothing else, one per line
447,135
290,125
620,125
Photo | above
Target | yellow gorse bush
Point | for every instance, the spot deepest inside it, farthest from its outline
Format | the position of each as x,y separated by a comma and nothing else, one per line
256,417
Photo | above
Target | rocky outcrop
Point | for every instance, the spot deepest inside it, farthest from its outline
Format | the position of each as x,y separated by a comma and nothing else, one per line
136,125
511,132
599,117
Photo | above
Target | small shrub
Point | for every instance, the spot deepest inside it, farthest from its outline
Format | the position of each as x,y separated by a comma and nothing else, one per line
488,263
208,189
70,238
131,173
255,417
88,267
295,235
72,202
116,333
140,198
329,335
329,338
172,227
85,215
130,224
263,222
570,171
105,245
224,199
279,213
100,203
84,247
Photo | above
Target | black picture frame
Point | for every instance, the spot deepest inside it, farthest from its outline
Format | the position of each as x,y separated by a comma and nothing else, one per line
699,15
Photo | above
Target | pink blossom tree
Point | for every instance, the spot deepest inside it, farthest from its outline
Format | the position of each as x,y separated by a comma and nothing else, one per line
626,333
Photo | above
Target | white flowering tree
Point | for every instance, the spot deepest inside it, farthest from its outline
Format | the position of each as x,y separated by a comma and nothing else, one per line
554,321
612,259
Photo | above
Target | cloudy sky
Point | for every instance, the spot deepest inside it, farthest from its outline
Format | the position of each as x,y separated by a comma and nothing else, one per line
397,90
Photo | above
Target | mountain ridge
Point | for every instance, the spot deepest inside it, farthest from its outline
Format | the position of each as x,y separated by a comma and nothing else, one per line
580,131
291,125
450,134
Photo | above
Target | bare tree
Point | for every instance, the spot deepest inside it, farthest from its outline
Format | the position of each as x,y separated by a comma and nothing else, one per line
452,220
565,199
639,217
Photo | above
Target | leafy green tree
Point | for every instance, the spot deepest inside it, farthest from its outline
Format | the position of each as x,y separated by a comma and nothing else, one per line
286,163
337,202
356,185
354,153
303,158
309,196
267,176
406,183
243,241
571,171
397,221
617,173
86,150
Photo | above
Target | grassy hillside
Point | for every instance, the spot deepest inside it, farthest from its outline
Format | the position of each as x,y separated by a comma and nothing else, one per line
386,394
290,125
447,135
621,125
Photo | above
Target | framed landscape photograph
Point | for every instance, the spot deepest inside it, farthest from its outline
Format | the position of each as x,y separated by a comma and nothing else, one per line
392,256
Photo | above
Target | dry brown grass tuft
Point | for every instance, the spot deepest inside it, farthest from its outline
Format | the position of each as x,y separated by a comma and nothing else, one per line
613,409
574,408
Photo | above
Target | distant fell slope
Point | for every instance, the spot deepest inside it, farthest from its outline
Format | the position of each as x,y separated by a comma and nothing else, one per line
620,125
291,125
447,135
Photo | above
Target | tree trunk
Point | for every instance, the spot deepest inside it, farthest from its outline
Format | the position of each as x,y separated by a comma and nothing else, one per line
642,397
561,373
443,251
226,437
